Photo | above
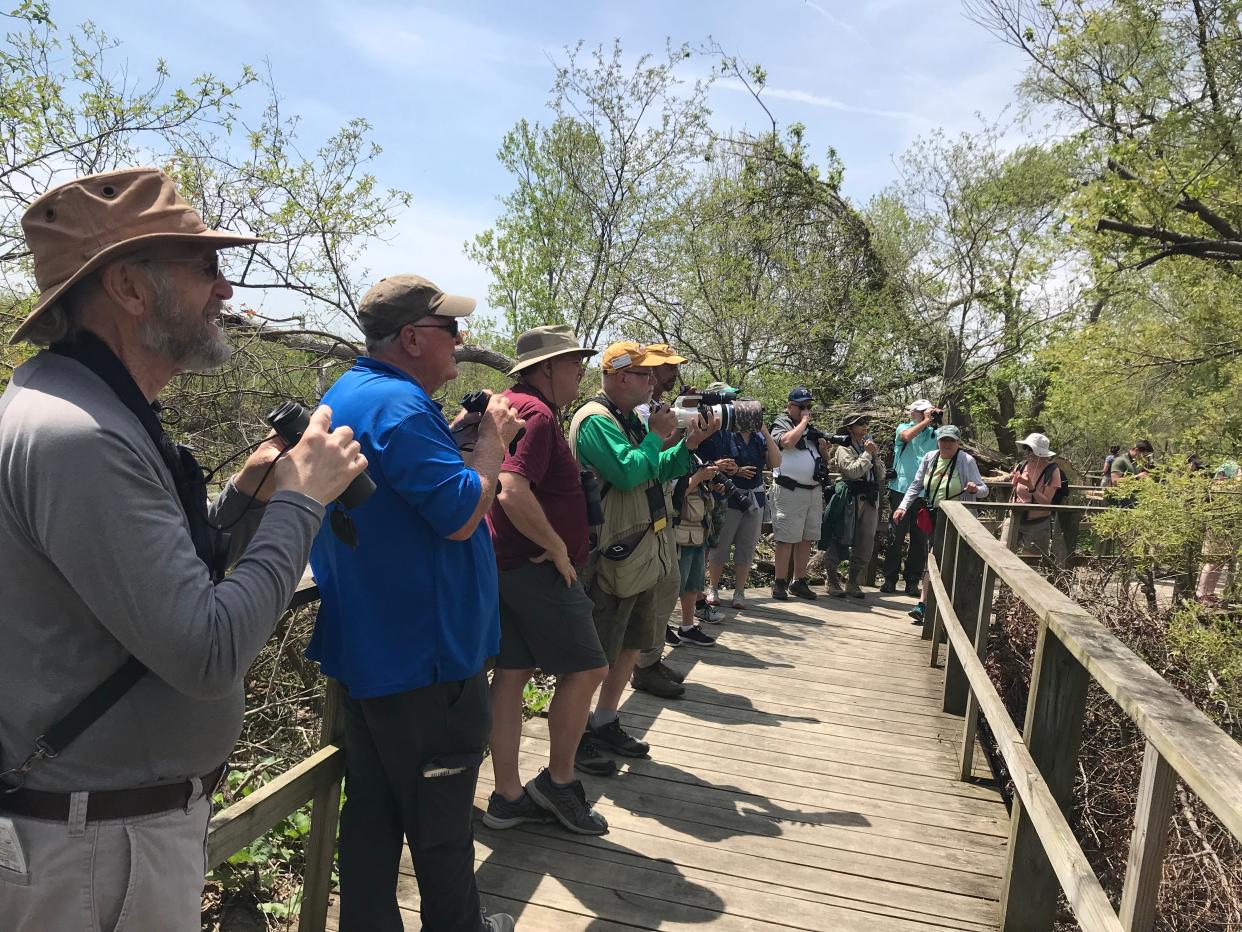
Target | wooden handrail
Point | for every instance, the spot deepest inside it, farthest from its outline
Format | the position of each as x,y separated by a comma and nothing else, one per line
1073,648
1082,888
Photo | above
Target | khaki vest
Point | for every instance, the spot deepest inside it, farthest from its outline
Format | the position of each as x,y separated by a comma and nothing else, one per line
632,557
690,529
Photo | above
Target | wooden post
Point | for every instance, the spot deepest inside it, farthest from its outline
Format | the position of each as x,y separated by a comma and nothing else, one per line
1053,733
982,629
325,810
939,533
1148,843
967,597
952,543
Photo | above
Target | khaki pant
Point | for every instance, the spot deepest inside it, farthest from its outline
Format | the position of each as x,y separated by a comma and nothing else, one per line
666,602
127,875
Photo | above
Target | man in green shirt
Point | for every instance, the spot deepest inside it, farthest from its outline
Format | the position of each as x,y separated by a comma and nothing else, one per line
630,462
1136,463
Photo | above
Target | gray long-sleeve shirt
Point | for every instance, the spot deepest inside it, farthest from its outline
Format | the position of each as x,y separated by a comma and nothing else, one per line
96,563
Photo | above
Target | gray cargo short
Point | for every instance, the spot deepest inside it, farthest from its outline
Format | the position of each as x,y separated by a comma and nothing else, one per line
545,624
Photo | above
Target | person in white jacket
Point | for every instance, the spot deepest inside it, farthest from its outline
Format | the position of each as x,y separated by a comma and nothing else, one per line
946,473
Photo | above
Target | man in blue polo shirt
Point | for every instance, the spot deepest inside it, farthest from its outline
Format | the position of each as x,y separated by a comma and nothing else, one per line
912,440
408,617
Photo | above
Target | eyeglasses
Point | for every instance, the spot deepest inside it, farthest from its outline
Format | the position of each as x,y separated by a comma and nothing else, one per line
804,407
450,324
208,265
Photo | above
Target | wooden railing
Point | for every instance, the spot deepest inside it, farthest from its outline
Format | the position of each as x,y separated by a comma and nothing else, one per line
316,779
1073,649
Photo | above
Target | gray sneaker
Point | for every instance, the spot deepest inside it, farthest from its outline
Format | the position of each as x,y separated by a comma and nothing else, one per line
501,813
498,922
567,804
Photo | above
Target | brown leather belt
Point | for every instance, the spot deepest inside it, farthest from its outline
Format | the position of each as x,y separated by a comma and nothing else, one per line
108,804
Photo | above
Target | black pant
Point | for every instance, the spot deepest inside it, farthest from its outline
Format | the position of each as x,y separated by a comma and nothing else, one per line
389,741
916,557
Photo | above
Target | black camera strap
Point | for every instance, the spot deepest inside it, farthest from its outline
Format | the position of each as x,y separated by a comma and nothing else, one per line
210,545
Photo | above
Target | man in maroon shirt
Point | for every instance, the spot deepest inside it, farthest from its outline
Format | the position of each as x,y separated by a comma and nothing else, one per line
539,530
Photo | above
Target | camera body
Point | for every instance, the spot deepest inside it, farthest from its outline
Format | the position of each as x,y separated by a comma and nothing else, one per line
476,403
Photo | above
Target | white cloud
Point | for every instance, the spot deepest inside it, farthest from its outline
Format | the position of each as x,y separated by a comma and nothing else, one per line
832,18
820,100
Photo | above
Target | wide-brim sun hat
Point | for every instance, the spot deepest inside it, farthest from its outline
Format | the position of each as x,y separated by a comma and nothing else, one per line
78,227
542,343
1038,444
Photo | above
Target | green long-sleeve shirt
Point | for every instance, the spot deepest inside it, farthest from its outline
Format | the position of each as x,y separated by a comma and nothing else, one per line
603,445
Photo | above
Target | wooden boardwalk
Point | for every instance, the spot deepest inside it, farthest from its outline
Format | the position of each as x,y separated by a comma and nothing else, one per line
805,781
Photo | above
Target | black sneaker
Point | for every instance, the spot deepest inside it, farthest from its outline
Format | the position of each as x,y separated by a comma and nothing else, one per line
696,637
914,588
567,804
590,759
802,590
916,613
779,591
668,671
651,680
671,637
501,813
889,587
615,738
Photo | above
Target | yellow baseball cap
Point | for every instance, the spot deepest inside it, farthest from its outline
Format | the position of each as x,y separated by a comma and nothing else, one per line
666,354
627,353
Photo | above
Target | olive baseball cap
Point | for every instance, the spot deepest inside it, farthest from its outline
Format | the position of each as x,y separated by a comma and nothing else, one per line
948,432
398,300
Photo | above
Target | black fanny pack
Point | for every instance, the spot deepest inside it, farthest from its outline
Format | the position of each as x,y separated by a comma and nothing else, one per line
786,483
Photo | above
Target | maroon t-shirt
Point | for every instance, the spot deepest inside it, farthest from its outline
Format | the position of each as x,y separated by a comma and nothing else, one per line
543,457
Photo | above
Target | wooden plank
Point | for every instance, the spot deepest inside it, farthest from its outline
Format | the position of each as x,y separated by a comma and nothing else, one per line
325,809
1044,812
983,626
1148,843
968,573
244,821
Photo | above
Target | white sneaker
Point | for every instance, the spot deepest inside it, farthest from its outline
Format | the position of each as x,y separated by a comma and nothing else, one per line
739,598
712,616
712,596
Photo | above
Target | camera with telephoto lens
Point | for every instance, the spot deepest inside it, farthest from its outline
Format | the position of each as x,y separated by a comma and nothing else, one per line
476,403
736,497
736,414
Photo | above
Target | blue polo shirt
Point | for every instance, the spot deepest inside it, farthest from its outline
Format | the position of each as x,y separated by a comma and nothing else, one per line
408,607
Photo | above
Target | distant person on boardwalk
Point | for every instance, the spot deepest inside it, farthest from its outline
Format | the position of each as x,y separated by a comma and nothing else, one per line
1107,478
409,616
1218,559
125,644
797,494
855,505
1036,481
947,473
912,440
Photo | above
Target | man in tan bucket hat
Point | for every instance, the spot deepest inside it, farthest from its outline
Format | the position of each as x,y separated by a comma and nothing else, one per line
125,645
542,539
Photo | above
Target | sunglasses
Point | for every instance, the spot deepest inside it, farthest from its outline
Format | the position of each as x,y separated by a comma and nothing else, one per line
804,407
450,324
208,265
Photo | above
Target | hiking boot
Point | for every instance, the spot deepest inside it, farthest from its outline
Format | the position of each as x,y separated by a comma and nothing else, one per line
590,759
696,637
914,588
713,616
917,613
498,922
615,738
802,590
501,813
833,586
651,680
779,591
666,670
567,804
889,587
853,589
671,637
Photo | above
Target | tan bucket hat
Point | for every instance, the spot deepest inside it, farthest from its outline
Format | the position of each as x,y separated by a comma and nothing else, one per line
74,229
398,300
540,343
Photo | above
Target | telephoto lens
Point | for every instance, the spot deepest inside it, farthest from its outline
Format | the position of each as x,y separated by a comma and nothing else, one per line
290,420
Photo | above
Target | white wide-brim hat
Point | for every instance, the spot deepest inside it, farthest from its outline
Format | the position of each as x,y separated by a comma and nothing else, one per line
1040,445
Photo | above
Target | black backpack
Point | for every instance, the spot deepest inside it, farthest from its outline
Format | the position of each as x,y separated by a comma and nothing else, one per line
1062,491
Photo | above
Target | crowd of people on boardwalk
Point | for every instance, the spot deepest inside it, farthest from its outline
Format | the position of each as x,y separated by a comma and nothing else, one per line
495,542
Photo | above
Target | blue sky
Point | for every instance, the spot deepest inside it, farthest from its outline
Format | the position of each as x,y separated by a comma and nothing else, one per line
443,82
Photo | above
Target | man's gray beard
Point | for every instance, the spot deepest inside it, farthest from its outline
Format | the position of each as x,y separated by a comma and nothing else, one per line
181,334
